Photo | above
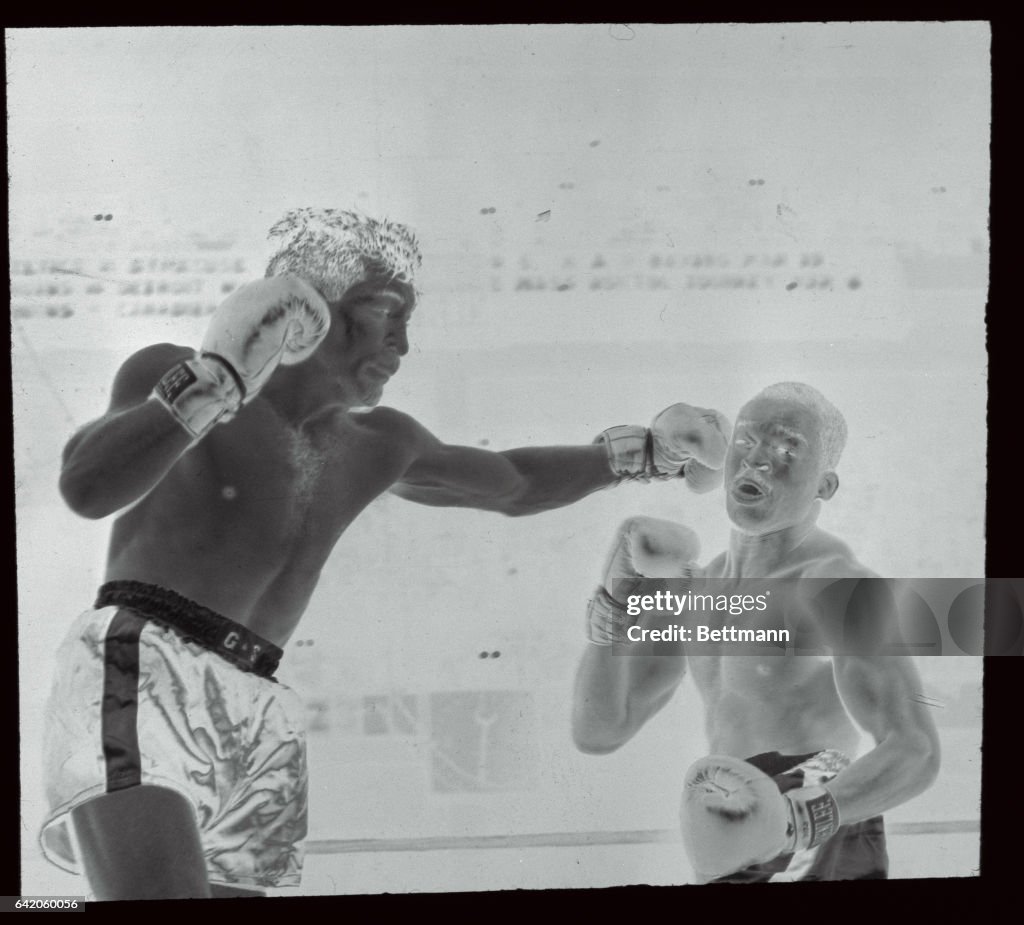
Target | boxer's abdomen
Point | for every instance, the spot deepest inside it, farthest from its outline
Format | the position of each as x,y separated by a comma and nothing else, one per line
753,704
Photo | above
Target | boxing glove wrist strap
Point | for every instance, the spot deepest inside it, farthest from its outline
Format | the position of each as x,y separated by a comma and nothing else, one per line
813,817
200,392
607,619
630,449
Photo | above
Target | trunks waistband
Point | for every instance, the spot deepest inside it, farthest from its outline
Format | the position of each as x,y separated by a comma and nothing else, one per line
240,646
775,763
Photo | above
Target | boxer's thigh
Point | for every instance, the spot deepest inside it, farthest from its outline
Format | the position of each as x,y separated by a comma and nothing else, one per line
255,840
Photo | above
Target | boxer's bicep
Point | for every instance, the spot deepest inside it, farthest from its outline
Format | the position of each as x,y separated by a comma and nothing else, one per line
117,458
883,695
458,476
520,481
878,684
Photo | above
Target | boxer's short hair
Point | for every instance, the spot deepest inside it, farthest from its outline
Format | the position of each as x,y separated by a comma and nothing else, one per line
833,424
334,250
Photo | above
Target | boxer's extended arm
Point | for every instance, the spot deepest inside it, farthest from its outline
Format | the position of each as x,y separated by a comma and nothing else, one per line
883,694
514,482
682,442
116,459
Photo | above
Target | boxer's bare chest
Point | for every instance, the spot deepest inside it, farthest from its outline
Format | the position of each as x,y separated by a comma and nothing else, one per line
245,520
268,493
763,654
307,482
779,694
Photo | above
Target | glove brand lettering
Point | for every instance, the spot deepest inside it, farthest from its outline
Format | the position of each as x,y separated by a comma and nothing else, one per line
175,382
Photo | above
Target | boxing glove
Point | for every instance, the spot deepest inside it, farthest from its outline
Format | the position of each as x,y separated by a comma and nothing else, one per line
682,442
644,547
733,815
267,322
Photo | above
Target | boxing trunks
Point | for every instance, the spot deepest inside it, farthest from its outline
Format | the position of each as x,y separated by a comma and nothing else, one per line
152,688
855,852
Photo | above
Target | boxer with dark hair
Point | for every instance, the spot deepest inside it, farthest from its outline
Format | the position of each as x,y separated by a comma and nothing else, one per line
175,763
786,793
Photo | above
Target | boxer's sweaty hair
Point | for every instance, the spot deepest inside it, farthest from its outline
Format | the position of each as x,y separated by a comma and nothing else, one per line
334,250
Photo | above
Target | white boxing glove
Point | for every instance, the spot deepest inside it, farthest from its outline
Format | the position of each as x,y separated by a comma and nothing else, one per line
682,442
733,815
644,547
267,322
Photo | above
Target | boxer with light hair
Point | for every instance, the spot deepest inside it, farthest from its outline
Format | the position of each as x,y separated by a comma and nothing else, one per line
175,764
787,792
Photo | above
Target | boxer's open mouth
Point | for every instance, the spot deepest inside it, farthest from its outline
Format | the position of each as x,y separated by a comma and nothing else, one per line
748,490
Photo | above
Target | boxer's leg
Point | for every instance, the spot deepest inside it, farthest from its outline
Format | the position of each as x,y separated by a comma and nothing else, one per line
141,843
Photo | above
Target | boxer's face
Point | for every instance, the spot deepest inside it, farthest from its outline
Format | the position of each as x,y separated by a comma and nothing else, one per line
774,468
367,339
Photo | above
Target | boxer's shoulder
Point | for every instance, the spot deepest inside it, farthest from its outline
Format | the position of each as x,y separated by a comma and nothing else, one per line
381,424
390,421
823,555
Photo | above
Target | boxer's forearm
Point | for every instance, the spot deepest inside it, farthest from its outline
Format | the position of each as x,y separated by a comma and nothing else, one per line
552,477
616,693
515,482
896,770
600,709
118,459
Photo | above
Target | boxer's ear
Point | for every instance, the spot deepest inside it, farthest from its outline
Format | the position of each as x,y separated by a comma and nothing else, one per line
828,486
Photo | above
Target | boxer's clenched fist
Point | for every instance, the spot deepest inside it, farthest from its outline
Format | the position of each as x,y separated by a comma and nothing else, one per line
644,547
682,442
280,320
691,442
733,815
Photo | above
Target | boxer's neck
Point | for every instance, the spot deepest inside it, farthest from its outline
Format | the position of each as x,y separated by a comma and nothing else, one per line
298,393
764,554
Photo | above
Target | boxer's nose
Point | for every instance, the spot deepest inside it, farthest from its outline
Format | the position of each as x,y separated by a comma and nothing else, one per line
757,459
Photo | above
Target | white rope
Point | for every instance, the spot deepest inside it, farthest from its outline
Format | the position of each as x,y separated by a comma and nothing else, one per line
577,839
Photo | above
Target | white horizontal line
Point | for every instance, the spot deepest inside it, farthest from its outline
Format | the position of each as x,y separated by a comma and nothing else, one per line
575,839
